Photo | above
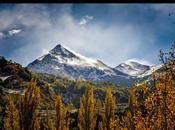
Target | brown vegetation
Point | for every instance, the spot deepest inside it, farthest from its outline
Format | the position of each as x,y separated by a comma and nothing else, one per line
150,107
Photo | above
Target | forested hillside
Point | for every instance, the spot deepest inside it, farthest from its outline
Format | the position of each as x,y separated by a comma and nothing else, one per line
53,103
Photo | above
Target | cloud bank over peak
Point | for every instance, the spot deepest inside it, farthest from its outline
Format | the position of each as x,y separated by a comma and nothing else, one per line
141,61
42,27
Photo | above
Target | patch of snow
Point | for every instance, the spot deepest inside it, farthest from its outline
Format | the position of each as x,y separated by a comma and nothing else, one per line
41,58
90,61
14,91
131,67
150,71
5,77
78,60
64,62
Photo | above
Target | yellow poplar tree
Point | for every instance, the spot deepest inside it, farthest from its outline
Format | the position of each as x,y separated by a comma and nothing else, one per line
87,111
109,109
49,122
59,113
139,111
161,104
62,115
29,103
100,126
128,120
11,121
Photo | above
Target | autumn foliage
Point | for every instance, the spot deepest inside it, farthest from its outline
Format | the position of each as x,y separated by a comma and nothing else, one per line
87,111
150,107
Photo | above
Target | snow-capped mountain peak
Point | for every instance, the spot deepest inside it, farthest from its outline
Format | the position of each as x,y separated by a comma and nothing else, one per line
64,62
62,51
67,56
132,67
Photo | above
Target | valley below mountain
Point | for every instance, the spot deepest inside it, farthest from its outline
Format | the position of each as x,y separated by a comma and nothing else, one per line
69,78
68,73
14,79
87,66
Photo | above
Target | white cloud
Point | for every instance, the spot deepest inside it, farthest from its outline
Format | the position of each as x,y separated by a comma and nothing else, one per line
112,44
142,61
85,19
14,31
9,33
26,15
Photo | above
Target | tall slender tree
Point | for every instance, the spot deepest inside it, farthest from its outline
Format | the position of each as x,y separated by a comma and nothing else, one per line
29,103
59,113
100,126
109,108
87,111
62,115
11,121
49,122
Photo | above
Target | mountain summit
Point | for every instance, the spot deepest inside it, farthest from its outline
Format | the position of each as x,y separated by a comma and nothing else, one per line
66,63
69,57
63,62
132,68
62,51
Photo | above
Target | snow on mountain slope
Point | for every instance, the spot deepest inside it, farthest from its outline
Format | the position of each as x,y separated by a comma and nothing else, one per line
63,55
132,68
63,62
150,71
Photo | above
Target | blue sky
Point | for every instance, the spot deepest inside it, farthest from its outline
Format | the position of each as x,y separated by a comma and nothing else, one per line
112,33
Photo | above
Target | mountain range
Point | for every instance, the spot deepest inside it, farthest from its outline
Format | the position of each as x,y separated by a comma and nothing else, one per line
63,62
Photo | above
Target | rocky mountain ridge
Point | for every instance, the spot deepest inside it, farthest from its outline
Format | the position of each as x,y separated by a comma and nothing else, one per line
65,63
